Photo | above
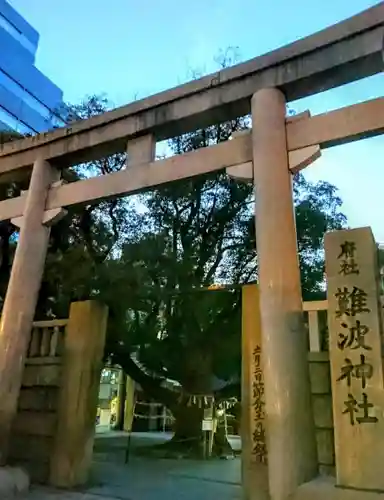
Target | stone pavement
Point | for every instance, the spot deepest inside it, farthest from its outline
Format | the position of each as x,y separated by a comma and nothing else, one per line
151,479
41,494
144,479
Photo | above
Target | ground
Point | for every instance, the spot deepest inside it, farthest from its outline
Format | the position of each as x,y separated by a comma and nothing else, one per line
151,479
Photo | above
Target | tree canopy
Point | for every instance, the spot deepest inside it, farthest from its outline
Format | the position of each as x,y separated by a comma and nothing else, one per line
150,255
202,232
151,258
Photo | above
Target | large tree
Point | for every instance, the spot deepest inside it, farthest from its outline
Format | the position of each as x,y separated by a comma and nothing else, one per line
152,257
201,232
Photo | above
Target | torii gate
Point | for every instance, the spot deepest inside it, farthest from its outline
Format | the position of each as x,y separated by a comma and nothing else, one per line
337,55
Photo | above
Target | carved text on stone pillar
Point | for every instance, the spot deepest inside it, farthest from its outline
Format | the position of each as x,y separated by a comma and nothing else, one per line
354,320
259,447
354,335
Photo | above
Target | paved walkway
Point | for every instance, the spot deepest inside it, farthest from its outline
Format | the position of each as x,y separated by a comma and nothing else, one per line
151,479
156,480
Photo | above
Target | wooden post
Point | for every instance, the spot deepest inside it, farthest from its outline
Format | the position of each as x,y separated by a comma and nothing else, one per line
21,297
152,414
129,404
82,364
291,444
254,452
121,397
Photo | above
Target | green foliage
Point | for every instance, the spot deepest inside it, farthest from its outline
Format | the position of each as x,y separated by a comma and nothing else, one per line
150,258
201,231
317,208
85,241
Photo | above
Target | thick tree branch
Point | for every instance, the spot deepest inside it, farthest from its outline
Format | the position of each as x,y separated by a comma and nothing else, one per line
230,390
150,385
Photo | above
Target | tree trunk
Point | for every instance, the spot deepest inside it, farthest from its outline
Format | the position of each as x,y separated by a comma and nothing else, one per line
188,439
221,446
188,434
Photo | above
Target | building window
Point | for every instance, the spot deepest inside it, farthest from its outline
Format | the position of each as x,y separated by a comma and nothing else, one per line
13,123
57,122
10,84
17,35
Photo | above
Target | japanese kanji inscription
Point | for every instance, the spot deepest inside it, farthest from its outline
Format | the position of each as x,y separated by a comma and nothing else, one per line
254,443
354,321
259,448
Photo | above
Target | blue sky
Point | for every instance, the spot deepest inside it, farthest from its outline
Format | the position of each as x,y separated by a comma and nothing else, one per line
130,49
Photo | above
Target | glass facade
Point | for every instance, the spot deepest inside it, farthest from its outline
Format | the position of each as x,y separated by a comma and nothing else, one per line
29,102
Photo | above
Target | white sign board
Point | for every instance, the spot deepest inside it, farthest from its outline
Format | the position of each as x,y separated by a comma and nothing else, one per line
207,425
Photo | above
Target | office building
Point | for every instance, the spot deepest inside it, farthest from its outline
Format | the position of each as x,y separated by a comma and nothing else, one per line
29,101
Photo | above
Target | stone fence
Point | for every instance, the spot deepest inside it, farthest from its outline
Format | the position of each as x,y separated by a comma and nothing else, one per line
320,375
32,440
52,434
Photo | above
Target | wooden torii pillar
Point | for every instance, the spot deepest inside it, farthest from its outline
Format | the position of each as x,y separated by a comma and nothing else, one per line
276,188
23,289
25,280
291,444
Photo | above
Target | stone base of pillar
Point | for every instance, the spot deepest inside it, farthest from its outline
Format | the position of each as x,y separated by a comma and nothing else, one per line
255,482
13,482
324,488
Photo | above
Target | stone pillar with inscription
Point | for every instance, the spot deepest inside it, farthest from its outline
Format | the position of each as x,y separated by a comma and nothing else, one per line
254,449
354,320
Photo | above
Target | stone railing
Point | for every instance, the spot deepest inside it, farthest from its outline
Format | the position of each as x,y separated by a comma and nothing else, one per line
52,432
34,429
316,311
47,339
320,376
